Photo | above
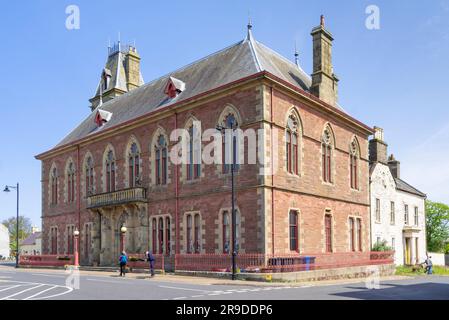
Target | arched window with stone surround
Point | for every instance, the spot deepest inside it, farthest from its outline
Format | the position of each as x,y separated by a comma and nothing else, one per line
354,164
110,172
89,176
154,235
71,182
292,144
327,143
189,243
197,233
230,148
194,156
167,235
54,186
161,160
226,231
161,235
134,166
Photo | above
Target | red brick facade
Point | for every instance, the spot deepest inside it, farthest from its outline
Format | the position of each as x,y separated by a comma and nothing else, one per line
259,103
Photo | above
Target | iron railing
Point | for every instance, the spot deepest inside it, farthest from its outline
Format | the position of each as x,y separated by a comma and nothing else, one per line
130,195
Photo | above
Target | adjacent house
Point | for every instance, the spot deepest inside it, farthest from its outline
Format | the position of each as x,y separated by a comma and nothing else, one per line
397,208
4,242
32,245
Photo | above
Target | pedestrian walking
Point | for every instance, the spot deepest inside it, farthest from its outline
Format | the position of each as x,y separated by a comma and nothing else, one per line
429,265
123,260
151,259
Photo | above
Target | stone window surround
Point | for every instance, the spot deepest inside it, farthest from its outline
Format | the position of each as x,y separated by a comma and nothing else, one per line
328,141
300,154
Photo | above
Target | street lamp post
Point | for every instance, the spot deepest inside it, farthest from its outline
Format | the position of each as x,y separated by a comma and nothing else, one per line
17,220
76,234
232,126
123,230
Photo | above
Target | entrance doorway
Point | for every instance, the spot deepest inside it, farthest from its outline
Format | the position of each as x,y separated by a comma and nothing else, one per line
407,253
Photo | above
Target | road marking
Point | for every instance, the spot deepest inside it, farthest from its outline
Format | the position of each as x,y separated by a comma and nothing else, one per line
179,288
23,291
9,287
39,293
56,295
48,275
198,296
108,281
179,298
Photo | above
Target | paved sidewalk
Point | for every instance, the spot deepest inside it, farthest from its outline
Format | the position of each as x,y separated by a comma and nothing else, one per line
203,280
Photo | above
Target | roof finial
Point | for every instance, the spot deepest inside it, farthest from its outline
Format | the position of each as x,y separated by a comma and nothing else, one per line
322,21
249,35
296,55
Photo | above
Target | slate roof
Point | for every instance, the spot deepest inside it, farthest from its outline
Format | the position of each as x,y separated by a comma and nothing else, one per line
404,186
31,240
240,60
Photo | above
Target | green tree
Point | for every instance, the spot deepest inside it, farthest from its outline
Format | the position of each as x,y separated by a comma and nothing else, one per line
437,226
24,230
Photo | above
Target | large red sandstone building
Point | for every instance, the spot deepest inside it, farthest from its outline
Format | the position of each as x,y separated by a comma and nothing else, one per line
114,168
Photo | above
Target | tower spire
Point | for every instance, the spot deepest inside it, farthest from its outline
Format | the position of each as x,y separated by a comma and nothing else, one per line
249,35
296,55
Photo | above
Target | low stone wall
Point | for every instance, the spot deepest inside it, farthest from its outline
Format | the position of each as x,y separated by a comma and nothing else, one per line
302,276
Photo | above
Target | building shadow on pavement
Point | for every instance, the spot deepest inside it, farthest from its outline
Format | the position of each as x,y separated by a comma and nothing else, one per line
389,291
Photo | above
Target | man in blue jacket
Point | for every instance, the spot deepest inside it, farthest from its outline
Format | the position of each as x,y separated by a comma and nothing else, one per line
151,259
123,260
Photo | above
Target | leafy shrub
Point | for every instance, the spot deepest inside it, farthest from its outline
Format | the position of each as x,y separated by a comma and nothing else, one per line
381,246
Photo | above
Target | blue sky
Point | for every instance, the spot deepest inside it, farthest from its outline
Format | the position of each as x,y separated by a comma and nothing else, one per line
395,77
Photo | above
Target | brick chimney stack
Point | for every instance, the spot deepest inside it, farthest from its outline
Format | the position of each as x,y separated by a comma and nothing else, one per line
378,147
324,81
395,166
132,68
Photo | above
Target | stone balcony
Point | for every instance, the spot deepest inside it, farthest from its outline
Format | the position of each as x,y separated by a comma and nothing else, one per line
110,199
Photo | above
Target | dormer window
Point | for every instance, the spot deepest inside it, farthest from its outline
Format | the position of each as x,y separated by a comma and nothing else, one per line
102,117
106,79
174,87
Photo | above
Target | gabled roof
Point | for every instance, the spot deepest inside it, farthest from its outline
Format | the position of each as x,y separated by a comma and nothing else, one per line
240,60
31,240
404,186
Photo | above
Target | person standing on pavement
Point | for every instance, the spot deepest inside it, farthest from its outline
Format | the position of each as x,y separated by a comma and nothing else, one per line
123,260
429,265
151,259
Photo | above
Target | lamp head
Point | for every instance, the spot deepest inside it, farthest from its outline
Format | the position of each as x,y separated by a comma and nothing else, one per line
123,229
6,189
76,233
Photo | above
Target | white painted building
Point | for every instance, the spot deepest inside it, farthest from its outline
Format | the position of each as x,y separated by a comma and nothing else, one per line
33,244
4,241
397,208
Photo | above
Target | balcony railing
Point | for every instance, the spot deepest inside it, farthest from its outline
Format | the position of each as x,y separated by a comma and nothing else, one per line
130,195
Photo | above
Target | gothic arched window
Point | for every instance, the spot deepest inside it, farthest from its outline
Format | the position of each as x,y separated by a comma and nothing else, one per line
161,161
71,182
326,153
54,186
89,172
110,172
194,156
291,147
230,149
133,166
353,164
